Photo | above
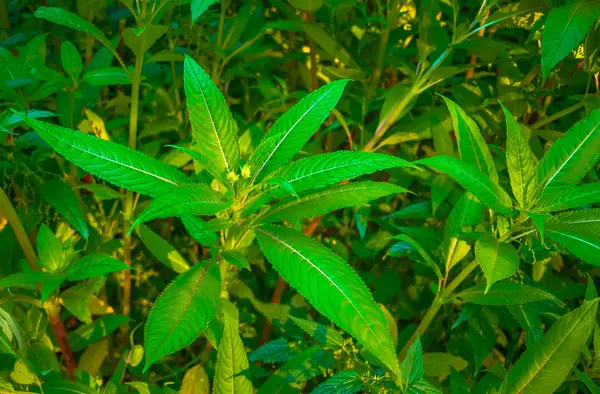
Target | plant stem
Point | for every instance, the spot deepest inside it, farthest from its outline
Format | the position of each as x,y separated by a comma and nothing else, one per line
557,115
52,308
435,306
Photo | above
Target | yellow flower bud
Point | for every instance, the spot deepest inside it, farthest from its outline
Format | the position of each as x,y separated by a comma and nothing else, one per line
233,177
246,171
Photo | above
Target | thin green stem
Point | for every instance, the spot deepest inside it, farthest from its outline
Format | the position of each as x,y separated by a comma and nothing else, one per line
557,115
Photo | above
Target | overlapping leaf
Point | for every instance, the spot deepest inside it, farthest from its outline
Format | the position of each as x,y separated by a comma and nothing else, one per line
498,260
93,265
570,197
578,241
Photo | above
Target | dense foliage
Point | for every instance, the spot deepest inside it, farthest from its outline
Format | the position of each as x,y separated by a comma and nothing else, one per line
421,174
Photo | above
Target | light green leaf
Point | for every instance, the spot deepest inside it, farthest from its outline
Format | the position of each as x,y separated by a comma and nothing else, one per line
195,381
107,77
545,365
564,29
498,260
412,365
71,60
199,7
93,265
519,160
162,250
236,258
231,369
112,162
331,168
213,128
200,231
141,39
62,198
49,249
182,311
579,242
471,145
72,21
337,197
570,197
22,375
190,199
570,157
293,130
331,286
474,181
583,219
505,293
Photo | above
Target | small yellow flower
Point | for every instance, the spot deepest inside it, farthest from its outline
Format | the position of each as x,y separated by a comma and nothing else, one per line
233,177
246,171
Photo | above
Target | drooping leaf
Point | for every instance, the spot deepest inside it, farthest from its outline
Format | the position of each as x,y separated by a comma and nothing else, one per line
293,129
570,197
112,162
200,230
566,27
498,260
93,265
570,157
581,243
49,248
190,199
100,191
337,197
519,160
331,286
205,164
62,198
474,181
545,365
331,168
428,260
505,293
471,145
182,311
231,369
213,128
162,250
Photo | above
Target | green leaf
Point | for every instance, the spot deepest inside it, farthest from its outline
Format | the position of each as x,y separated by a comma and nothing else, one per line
417,246
579,242
293,130
236,258
22,375
439,364
570,197
85,335
547,363
231,369
331,168
112,162
182,311
471,145
107,77
93,265
141,39
205,164
344,382
326,336
162,250
584,219
474,181
100,191
190,199
62,198
200,231
519,160
50,250
199,7
195,381
570,157
564,29
71,60
72,21
498,260
337,197
297,370
56,386
441,186
213,128
505,293
412,365
331,286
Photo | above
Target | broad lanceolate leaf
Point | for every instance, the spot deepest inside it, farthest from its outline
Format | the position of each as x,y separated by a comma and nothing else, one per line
49,249
474,181
232,364
519,160
112,162
182,311
162,250
570,157
293,130
62,198
331,286
93,265
213,128
71,60
331,168
190,199
578,241
570,197
73,21
334,198
505,293
498,260
471,145
545,365
566,27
